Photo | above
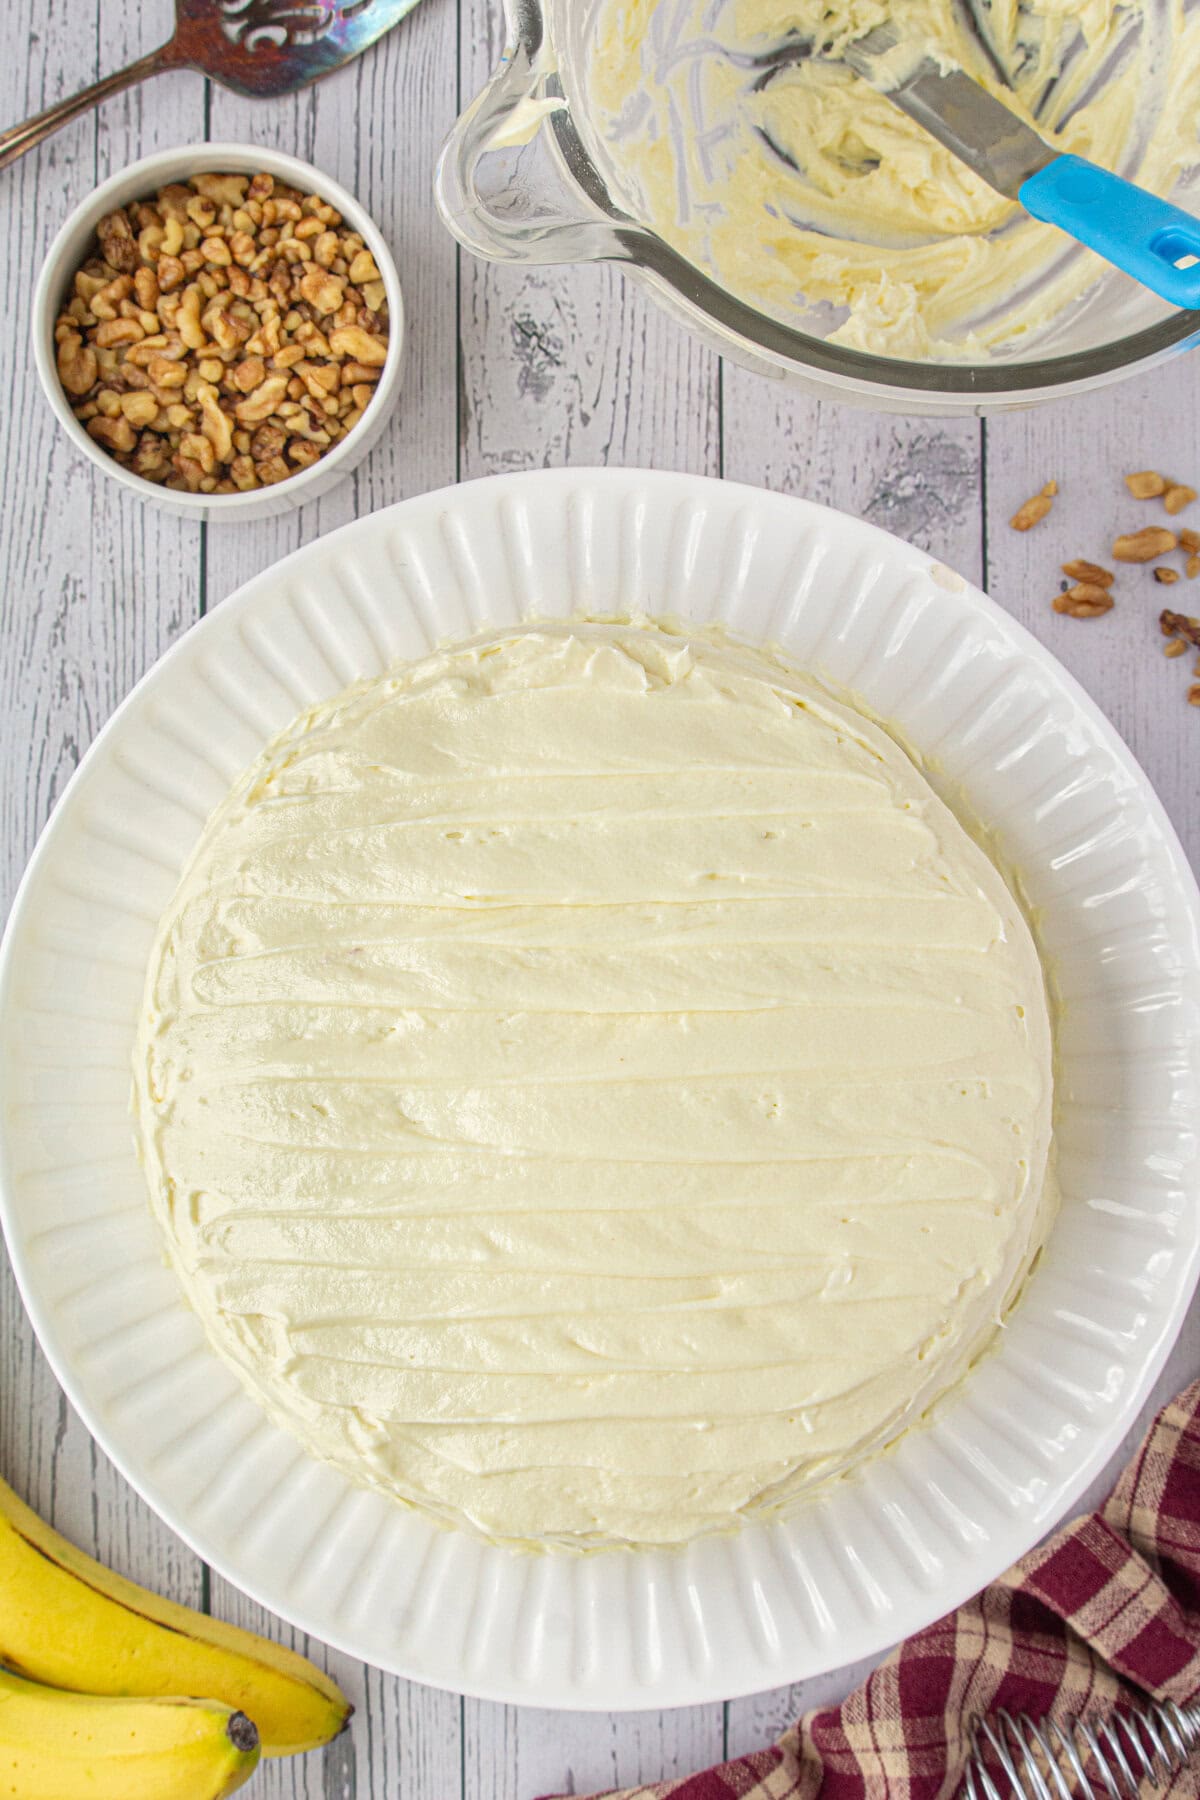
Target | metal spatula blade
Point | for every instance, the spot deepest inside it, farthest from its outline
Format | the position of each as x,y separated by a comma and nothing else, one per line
1155,242
953,108
255,47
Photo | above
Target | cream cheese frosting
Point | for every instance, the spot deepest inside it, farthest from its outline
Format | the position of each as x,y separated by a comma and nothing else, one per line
816,200
592,1087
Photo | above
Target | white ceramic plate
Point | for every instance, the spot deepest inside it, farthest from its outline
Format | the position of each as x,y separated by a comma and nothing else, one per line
1119,920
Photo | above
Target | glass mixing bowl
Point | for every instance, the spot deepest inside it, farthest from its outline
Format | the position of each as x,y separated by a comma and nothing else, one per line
522,179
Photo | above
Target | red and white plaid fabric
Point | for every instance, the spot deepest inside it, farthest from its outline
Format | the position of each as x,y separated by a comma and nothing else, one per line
1106,1612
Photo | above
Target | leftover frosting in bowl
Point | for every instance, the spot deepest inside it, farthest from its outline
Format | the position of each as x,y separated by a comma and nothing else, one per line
592,1087
814,199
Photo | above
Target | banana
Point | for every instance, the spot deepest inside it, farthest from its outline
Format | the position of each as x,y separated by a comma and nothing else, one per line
69,1622
58,1746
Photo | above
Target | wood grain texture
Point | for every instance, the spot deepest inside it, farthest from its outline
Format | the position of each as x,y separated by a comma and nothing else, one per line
1087,446
506,368
513,1753
572,365
94,589
411,81
919,478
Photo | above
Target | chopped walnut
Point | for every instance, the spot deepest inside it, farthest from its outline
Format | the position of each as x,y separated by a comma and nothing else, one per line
1086,600
1173,624
1143,546
1082,570
224,334
1033,511
1146,484
117,244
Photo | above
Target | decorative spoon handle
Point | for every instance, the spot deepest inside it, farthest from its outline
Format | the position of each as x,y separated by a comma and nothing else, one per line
1155,242
19,138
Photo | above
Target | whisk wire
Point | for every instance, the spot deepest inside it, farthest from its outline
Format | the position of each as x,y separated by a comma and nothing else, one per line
1003,1755
1183,1732
1111,1739
1083,1729
1160,1755
979,1782
1034,1774
1052,1767
1068,1750
1080,1759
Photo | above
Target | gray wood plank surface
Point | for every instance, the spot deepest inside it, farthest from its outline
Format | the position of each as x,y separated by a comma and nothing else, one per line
93,590
917,477
1087,446
506,368
572,365
514,1753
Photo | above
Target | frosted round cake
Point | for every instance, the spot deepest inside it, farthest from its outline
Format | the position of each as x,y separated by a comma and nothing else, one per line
592,1087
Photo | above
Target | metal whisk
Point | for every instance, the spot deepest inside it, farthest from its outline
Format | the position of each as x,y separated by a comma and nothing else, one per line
1110,1759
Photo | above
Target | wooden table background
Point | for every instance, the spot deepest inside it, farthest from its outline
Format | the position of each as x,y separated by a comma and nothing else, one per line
506,369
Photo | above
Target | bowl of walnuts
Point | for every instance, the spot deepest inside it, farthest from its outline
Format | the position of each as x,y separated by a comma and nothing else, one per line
221,328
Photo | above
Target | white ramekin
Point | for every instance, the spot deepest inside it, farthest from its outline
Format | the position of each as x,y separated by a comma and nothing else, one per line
140,181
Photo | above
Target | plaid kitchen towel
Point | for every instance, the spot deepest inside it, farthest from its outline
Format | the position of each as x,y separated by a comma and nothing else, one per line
1105,1612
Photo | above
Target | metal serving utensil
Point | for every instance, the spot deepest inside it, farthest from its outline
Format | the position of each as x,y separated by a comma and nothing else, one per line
1112,1759
1152,240
256,47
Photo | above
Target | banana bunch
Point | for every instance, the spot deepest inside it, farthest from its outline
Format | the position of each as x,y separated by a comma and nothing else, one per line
108,1689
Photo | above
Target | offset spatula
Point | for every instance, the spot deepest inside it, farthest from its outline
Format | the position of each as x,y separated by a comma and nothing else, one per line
256,47
1155,242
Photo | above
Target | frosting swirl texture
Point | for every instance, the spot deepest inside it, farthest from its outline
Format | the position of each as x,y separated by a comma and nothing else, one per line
593,1089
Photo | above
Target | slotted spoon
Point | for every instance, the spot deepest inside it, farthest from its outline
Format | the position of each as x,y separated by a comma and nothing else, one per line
257,47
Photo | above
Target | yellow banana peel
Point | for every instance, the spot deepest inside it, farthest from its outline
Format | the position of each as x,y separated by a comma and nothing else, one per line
56,1746
68,1622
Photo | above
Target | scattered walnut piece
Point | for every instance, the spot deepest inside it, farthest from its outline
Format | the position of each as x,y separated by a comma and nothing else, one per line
1086,600
1189,540
1174,647
207,348
1031,513
1145,545
1193,567
1194,695
1081,570
1165,575
1178,496
1146,484
1182,625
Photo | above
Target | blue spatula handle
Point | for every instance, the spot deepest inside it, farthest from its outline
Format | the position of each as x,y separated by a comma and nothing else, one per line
1147,237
